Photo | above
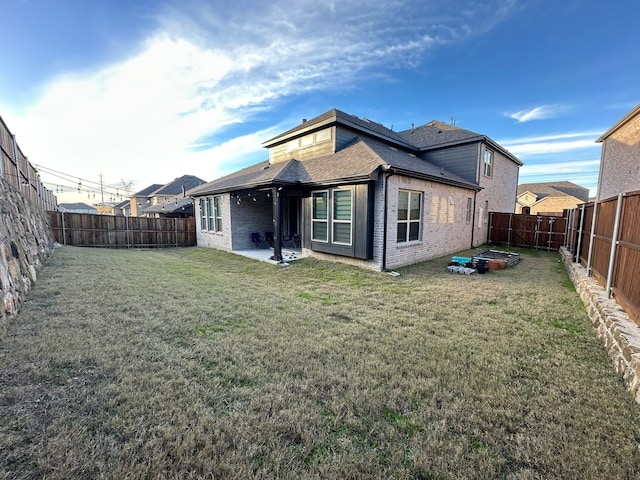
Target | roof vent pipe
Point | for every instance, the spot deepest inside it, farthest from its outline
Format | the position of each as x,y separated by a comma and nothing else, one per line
412,127
304,120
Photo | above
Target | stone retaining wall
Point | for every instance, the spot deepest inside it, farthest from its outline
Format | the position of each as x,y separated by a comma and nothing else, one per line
25,243
618,333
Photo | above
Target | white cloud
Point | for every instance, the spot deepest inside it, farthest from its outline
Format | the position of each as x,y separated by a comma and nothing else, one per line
536,113
560,168
150,117
541,148
553,143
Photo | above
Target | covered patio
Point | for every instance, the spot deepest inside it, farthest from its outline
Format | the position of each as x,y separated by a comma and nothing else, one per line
267,255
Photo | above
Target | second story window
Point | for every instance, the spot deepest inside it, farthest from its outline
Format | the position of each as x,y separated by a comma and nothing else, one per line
309,139
488,163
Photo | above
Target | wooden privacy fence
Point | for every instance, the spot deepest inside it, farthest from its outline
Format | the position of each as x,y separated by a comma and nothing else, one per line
530,231
16,169
605,239
108,231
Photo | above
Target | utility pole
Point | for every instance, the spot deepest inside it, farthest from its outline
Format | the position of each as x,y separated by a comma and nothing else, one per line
101,190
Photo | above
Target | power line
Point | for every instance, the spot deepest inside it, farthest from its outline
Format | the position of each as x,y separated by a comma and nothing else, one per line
69,181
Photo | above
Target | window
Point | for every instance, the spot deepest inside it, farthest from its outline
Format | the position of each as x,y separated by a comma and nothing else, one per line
210,217
319,217
488,163
409,215
203,215
342,212
217,213
309,139
469,209
486,211
211,214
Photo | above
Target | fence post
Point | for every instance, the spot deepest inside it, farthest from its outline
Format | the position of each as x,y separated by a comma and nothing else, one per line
566,228
592,237
64,235
550,240
126,231
17,160
510,228
175,227
614,244
580,233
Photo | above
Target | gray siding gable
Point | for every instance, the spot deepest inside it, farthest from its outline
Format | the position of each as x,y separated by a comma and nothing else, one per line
461,160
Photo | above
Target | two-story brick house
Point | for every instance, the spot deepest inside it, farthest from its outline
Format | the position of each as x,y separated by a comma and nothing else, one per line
620,158
355,191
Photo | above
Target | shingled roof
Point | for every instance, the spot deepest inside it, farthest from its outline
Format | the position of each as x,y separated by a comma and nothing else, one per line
176,187
335,116
436,134
362,160
555,189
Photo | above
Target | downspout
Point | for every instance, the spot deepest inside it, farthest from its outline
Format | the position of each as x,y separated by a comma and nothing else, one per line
473,217
384,221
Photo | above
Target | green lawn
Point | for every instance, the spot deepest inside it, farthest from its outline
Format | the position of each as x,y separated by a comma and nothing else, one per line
196,363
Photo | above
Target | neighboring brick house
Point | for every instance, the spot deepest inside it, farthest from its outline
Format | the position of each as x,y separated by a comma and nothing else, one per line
550,198
171,200
620,158
142,199
355,191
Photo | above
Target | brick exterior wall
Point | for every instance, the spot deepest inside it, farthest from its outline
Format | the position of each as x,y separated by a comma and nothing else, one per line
552,205
239,220
444,227
499,191
620,163
221,240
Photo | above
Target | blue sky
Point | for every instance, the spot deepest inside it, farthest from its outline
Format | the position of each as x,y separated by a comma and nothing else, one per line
146,91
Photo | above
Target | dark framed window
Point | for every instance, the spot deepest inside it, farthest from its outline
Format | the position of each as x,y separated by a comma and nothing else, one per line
320,216
409,216
342,216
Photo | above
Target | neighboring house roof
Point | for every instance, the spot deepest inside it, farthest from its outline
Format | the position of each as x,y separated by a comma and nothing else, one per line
147,191
177,186
359,161
76,206
170,207
123,204
554,189
620,123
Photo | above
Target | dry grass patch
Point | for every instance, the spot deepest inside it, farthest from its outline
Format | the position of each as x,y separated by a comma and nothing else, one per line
200,364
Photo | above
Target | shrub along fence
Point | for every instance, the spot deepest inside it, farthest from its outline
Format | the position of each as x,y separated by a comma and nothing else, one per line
605,238
108,231
530,231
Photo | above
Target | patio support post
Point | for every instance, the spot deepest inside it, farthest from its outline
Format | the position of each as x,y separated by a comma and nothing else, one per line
277,224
